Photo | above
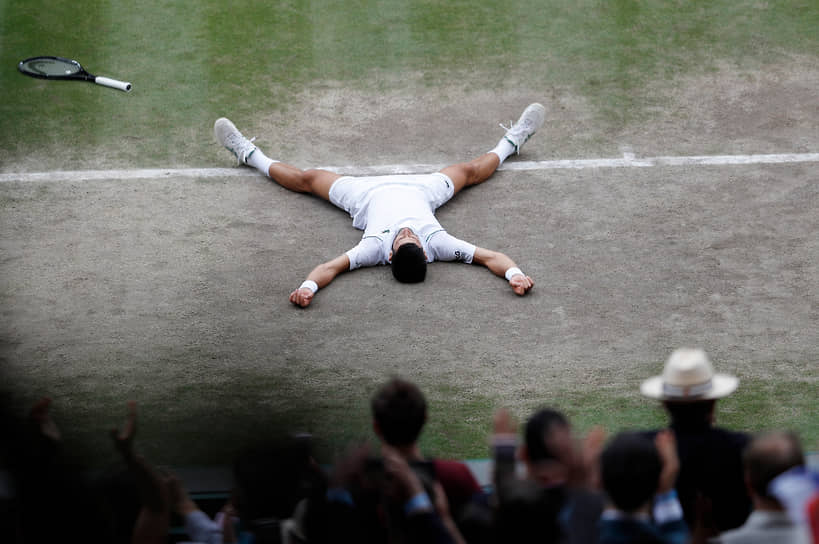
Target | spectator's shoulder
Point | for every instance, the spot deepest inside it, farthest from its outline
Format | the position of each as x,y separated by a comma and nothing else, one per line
455,474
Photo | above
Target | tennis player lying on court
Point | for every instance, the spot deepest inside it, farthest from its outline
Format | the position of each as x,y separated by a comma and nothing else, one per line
396,212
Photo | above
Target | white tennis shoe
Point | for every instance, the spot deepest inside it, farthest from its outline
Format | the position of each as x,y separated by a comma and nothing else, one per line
229,136
529,122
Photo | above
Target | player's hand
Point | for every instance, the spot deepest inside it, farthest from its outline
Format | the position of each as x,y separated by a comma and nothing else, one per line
302,297
521,284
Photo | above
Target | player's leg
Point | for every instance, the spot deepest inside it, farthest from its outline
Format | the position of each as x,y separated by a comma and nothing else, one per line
473,172
480,169
316,182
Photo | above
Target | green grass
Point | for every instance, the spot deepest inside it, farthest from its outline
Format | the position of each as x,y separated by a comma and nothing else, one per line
238,409
757,406
190,63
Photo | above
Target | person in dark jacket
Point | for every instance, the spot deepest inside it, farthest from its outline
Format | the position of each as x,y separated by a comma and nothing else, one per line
710,484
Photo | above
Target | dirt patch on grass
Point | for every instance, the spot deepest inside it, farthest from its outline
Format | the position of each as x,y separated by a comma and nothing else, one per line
734,111
729,110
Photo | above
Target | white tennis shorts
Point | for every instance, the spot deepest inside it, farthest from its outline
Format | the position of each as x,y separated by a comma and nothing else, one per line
352,193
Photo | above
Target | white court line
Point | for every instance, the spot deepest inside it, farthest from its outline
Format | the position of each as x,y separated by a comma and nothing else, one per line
627,161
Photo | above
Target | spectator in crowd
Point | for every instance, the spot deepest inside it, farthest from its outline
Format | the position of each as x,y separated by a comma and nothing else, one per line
767,457
710,485
278,496
48,484
59,499
638,476
153,521
385,499
798,491
399,411
556,501
279,490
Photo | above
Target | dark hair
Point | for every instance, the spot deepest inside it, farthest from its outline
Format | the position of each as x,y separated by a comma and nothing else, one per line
768,456
409,264
538,429
400,411
630,466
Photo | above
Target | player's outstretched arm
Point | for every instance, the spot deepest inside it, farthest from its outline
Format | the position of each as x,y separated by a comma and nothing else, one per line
321,276
503,266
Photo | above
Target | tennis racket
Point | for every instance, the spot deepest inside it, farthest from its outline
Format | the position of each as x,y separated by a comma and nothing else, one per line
60,68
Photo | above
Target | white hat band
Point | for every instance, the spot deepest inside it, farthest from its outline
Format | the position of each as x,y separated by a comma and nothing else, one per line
695,390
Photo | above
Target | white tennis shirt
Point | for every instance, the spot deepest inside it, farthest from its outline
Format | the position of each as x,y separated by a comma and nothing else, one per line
383,205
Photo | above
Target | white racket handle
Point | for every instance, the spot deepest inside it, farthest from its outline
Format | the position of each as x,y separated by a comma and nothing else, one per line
116,84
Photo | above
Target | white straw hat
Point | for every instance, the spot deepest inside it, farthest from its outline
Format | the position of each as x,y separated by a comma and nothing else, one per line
689,376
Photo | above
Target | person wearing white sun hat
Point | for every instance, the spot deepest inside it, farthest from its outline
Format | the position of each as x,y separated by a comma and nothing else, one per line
711,474
688,377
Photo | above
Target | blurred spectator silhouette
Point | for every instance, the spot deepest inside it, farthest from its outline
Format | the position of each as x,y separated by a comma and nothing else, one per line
386,499
710,485
768,456
654,481
279,490
399,411
557,500
153,521
797,489
278,497
638,476
60,498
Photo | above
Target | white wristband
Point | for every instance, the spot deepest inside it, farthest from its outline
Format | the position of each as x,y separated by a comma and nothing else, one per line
309,284
514,271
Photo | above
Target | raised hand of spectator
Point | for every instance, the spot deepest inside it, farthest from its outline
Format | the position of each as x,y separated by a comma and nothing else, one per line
667,447
503,424
405,482
587,470
40,416
153,522
226,518
124,439
407,488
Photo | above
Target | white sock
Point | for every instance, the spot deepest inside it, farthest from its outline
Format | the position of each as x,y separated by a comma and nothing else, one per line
261,162
503,149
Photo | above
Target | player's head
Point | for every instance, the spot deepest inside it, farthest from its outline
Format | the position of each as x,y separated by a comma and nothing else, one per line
409,262
630,469
399,412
